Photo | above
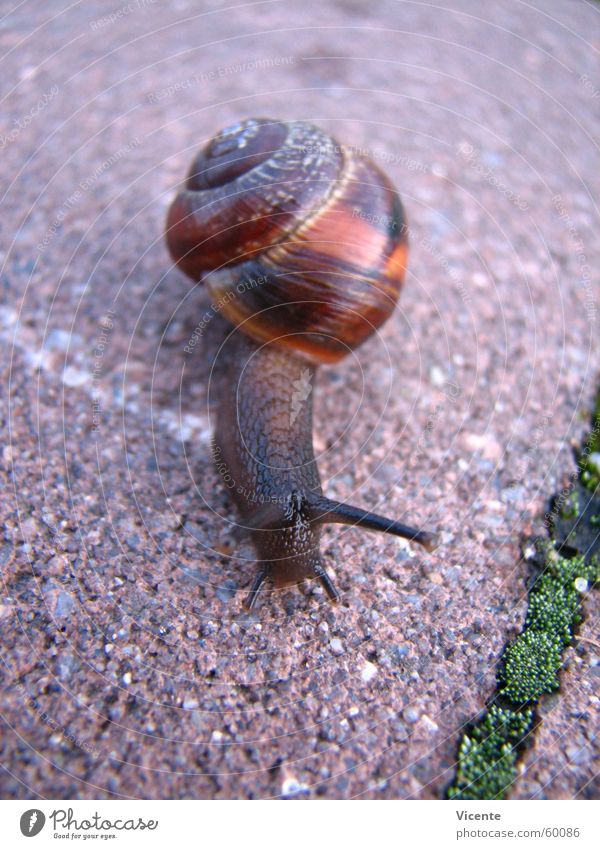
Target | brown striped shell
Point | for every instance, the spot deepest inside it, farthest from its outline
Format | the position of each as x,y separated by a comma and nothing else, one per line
299,239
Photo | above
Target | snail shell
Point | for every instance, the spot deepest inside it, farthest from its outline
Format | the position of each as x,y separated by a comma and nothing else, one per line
298,238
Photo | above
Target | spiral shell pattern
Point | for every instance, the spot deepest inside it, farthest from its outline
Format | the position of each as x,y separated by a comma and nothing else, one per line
301,241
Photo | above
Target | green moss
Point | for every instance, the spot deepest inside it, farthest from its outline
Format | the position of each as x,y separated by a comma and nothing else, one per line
532,662
531,665
553,608
488,754
570,508
589,471
589,474
568,569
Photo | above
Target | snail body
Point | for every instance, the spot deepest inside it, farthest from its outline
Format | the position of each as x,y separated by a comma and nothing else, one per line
265,441
303,247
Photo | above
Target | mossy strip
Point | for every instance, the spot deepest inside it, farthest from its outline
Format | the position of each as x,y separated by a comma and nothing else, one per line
489,750
531,664
589,456
487,755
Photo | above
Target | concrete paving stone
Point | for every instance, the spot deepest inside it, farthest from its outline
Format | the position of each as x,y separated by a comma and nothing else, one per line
130,669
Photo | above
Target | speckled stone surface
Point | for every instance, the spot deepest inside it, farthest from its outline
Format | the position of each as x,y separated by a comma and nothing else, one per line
129,669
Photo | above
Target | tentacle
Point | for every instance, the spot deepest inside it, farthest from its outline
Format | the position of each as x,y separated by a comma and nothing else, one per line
259,580
326,511
326,583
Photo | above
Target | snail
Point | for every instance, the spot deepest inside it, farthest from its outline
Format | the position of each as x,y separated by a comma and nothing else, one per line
303,247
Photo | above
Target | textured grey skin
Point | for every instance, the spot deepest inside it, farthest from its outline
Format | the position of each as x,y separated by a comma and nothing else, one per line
264,434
